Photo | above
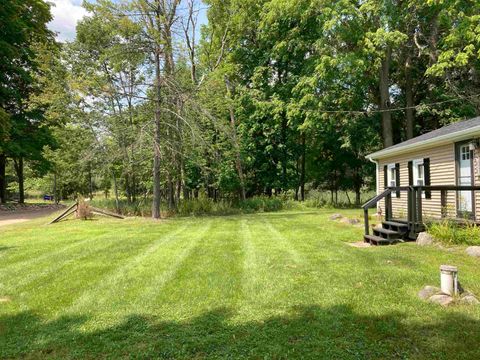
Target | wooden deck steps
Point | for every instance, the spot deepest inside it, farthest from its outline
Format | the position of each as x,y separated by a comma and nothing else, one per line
378,240
390,233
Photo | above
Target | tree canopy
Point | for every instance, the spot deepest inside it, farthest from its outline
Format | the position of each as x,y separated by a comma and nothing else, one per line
271,97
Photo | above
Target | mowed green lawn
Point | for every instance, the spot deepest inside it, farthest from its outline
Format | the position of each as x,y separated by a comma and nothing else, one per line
279,285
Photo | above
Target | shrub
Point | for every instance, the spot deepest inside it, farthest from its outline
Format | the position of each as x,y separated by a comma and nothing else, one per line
453,233
204,206
265,204
323,199
200,206
84,211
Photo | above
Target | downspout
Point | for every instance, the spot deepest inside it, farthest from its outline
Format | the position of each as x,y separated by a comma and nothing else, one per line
376,176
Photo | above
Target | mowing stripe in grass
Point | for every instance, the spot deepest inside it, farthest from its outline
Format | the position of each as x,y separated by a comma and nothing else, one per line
108,242
40,244
252,270
155,271
210,277
111,281
47,256
168,264
78,276
269,274
286,243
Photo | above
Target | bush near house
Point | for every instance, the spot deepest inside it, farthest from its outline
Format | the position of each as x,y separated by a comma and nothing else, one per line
453,233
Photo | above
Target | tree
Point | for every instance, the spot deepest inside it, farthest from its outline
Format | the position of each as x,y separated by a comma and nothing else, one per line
24,31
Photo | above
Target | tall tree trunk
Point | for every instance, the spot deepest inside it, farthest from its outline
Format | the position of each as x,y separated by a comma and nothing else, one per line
134,188
3,179
169,68
180,162
410,111
115,190
156,141
357,196
171,193
236,145
128,187
90,183
385,100
18,164
55,195
302,169
285,154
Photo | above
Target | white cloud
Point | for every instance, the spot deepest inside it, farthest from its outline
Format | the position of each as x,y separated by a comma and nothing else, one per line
66,14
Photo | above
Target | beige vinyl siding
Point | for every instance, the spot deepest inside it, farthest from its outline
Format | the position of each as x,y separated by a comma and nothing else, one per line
442,172
476,172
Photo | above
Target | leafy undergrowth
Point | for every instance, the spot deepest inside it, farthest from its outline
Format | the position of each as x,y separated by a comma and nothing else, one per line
205,206
262,286
452,233
201,206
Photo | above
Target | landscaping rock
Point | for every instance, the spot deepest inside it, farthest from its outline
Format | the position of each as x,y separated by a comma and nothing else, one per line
441,299
427,292
350,221
469,299
336,217
424,239
473,251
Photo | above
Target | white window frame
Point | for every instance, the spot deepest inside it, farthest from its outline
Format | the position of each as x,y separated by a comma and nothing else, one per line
391,167
416,175
465,155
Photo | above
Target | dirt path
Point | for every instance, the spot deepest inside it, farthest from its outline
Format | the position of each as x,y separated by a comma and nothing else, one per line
19,216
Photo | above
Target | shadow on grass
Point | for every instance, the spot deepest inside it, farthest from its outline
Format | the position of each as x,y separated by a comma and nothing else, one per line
6,248
309,332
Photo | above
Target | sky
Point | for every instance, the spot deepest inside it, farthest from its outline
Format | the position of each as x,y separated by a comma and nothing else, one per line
66,14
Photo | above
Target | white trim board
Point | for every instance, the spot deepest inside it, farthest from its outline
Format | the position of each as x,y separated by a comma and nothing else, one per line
437,141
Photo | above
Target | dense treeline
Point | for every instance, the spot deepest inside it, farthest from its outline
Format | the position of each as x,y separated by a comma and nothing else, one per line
271,97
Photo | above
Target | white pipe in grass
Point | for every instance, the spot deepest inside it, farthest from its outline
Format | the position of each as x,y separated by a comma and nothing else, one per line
449,279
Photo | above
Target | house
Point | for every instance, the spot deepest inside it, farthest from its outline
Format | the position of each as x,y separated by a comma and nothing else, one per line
432,176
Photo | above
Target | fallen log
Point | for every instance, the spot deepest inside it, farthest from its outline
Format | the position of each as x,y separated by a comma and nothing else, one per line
66,213
106,213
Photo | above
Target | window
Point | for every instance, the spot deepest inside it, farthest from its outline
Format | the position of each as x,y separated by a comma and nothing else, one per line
392,175
418,172
465,152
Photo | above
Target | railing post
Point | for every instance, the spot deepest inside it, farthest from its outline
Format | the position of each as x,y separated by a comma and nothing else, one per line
414,211
443,202
419,207
365,215
409,207
388,207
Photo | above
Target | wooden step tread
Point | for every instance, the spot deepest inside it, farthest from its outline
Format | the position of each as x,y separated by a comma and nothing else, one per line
386,231
400,221
394,223
377,240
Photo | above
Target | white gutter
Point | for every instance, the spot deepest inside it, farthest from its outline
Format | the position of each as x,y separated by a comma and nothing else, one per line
439,140
376,172
376,176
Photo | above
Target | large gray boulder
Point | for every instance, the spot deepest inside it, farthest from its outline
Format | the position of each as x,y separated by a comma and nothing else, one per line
424,239
350,221
469,299
336,216
473,251
427,292
441,299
